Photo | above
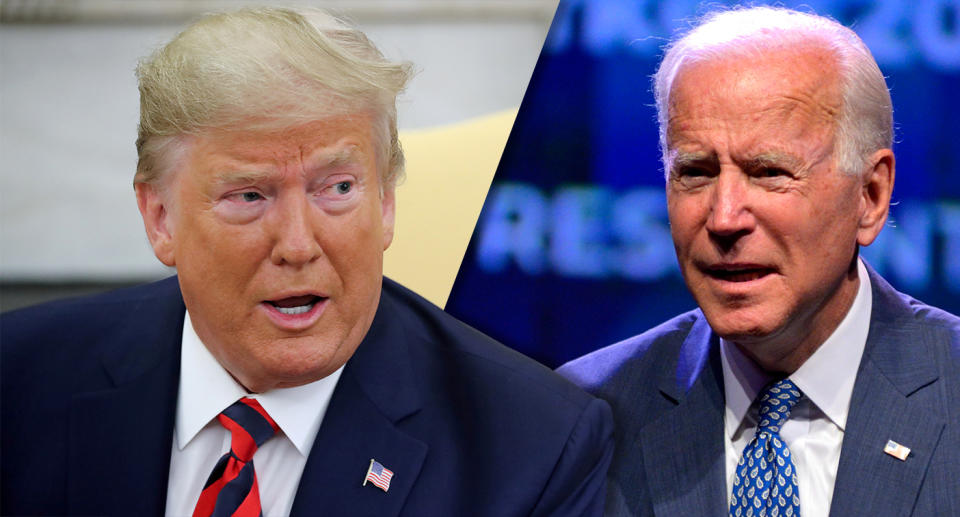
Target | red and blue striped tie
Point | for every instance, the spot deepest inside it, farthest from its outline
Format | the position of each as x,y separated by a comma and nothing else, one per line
231,489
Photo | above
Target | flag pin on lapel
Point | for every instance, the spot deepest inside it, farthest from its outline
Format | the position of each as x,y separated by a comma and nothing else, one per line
378,475
896,450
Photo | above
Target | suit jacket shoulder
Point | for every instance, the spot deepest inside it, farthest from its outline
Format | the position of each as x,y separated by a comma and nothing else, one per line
647,374
88,389
665,388
907,390
611,370
501,434
67,333
496,367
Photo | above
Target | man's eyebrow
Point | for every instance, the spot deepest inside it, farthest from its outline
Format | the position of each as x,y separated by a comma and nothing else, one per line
685,158
774,159
336,158
321,161
233,177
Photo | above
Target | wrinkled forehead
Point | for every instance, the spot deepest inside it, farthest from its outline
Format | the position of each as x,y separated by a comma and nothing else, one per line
252,150
794,86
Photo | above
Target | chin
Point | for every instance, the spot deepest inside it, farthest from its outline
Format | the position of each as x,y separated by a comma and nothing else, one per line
740,326
283,376
303,371
284,364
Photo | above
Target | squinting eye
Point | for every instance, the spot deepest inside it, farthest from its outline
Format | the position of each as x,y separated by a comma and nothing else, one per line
692,177
771,172
250,197
343,187
690,172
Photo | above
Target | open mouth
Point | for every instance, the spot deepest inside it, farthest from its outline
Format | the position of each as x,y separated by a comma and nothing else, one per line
745,274
295,304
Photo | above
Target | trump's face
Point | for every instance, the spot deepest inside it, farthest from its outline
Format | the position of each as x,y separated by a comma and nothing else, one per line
765,227
278,241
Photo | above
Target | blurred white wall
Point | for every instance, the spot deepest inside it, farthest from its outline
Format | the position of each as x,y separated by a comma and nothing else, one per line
68,111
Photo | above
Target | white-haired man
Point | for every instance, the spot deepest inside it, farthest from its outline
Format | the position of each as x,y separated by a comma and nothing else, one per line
268,157
804,384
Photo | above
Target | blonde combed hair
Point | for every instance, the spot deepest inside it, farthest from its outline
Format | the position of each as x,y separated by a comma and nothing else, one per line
263,69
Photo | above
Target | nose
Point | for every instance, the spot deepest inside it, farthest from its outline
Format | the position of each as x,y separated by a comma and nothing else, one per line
295,239
731,215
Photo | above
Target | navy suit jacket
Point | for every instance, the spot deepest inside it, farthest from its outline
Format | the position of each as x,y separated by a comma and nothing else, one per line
469,427
666,390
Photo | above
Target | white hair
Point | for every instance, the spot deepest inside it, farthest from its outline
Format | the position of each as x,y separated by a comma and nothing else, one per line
265,68
865,121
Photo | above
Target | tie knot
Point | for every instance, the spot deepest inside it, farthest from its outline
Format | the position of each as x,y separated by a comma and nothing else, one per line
249,426
776,401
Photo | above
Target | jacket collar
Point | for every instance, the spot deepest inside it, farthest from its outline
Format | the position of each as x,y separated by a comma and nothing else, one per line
683,450
895,398
377,393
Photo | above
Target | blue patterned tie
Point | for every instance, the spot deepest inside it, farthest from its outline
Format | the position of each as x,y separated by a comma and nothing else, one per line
766,480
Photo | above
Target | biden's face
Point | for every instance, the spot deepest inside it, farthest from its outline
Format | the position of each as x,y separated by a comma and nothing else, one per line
278,241
765,227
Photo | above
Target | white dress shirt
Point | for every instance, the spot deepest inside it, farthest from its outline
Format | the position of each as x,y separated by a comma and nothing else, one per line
814,432
199,440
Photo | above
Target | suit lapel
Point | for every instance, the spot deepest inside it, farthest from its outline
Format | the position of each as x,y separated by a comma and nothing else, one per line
120,439
377,390
895,398
683,450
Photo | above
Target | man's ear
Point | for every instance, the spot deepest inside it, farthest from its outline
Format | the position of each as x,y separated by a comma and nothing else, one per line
875,195
387,213
156,220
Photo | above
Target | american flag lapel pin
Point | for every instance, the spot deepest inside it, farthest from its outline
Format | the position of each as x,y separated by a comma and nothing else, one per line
896,450
378,475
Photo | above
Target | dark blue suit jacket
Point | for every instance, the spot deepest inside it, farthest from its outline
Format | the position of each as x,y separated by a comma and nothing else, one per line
468,427
666,389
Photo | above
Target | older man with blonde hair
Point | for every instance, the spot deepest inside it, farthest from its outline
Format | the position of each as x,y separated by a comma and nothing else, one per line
279,373
804,384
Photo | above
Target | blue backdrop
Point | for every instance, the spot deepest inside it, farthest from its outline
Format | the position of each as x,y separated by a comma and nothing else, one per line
572,251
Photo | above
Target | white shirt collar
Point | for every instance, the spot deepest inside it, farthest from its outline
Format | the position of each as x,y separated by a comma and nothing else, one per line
826,378
206,389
